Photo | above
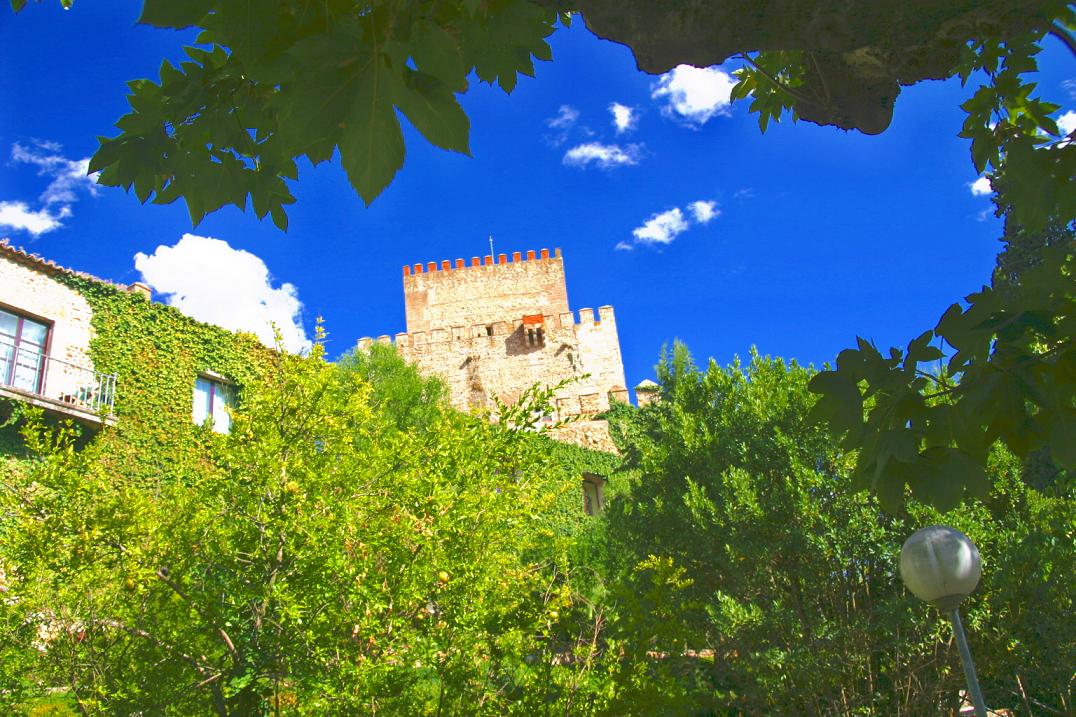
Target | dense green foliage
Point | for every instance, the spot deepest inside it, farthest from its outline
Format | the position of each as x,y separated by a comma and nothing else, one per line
136,567
157,353
355,546
329,556
10,443
397,392
750,579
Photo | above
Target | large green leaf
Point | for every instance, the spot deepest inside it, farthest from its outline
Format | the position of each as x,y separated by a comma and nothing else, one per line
840,402
434,111
313,105
248,28
371,143
175,13
437,53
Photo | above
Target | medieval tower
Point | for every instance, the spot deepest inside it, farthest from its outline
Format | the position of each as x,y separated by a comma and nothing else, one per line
499,326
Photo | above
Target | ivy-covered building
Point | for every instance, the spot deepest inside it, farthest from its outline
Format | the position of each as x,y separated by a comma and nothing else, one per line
45,333
100,353
104,354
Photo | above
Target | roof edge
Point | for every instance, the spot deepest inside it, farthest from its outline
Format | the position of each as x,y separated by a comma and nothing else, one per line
47,266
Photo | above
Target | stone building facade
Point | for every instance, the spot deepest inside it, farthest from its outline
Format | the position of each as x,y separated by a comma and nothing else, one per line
52,345
495,327
498,326
45,334
27,291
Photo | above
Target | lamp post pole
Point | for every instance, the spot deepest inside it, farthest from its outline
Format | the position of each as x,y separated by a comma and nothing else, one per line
969,666
941,566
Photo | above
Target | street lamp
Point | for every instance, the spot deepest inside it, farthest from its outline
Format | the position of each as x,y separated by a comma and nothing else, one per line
941,566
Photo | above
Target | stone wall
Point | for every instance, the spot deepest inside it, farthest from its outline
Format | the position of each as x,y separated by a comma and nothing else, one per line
588,434
507,361
505,358
499,326
441,296
28,291
599,351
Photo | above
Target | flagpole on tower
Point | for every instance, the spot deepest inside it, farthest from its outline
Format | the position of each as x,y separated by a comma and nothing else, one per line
491,246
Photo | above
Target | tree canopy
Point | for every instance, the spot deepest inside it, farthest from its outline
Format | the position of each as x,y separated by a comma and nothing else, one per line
740,550
344,550
356,546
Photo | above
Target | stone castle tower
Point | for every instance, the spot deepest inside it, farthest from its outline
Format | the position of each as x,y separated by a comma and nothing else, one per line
497,327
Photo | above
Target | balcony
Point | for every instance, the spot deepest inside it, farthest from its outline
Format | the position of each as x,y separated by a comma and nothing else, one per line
59,387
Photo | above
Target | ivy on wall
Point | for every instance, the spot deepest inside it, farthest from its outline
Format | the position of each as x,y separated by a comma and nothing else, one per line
157,353
10,444
584,460
572,462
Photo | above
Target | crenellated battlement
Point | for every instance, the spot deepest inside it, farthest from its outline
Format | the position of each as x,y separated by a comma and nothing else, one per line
551,324
489,260
446,294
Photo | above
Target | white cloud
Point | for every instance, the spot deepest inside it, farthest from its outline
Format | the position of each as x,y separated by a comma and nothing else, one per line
704,210
18,216
981,187
605,156
1067,122
664,227
208,280
624,118
1070,87
68,179
565,125
566,117
73,178
661,228
694,94
68,175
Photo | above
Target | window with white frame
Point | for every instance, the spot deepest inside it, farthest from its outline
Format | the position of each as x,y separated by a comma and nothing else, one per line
213,397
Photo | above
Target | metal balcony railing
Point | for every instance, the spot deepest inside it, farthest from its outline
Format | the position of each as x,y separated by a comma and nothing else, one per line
32,371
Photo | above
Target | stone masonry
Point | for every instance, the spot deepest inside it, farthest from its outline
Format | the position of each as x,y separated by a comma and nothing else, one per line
493,328
498,326
26,289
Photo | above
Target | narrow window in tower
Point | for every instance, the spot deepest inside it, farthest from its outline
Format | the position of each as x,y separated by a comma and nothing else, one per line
541,336
593,494
489,329
530,337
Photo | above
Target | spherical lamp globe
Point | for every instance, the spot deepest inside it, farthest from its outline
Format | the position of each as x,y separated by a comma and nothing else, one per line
940,565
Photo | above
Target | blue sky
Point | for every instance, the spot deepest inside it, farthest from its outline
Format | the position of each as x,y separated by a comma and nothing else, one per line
795,241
